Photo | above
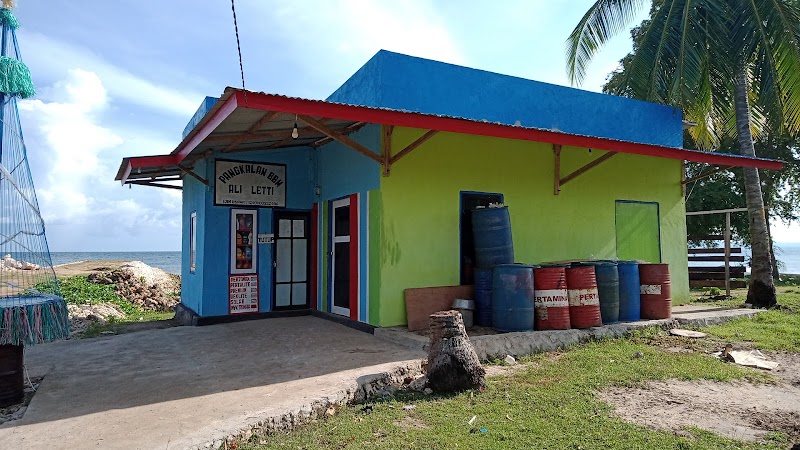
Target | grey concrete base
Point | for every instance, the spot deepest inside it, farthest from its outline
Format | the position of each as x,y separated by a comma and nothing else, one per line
527,343
708,317
185,316
197,387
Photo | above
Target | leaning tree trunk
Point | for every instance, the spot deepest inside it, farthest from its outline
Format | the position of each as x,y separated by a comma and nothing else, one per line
762,288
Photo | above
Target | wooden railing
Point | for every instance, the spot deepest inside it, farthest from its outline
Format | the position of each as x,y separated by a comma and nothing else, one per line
717,276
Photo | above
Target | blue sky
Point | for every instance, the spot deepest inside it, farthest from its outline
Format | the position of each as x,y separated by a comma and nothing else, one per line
122,78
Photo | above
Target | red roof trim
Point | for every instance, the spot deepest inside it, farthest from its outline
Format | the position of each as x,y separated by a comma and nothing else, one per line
235,98
222,113
317,108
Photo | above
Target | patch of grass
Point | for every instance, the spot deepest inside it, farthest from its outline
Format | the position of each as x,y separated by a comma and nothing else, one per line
78,290
549,405
770,330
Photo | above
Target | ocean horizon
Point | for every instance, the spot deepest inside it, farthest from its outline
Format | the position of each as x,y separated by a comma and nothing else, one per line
169,262
788,254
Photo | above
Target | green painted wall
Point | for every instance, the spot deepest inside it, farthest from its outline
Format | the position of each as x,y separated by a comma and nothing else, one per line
419,226
374,255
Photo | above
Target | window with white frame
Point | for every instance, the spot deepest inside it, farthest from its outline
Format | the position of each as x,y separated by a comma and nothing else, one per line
192,241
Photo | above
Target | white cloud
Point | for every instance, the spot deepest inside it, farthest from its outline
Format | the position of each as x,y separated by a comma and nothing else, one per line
50,57
79,199
330,39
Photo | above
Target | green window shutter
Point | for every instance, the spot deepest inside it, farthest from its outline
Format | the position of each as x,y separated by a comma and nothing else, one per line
638,231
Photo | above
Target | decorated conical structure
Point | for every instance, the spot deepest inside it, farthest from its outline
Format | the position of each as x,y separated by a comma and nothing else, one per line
32,310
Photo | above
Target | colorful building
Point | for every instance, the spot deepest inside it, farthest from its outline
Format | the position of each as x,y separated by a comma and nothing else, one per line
337,206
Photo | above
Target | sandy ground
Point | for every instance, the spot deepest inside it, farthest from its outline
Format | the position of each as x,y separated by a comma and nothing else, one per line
87,267
739,410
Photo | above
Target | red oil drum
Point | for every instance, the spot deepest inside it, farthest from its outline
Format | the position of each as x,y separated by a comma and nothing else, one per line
584,300
551,302
656,291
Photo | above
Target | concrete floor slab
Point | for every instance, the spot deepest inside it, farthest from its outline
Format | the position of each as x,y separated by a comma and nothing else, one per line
187,387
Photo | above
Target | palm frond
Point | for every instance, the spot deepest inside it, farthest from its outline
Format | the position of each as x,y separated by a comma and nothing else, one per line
602,21
769,31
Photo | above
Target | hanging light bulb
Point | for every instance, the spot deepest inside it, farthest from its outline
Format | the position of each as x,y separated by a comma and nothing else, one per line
295,133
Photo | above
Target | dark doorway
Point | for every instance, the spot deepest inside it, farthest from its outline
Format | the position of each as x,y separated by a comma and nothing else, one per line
470,201
340,257
291,260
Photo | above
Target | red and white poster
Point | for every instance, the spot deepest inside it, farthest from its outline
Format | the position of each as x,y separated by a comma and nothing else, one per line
243,294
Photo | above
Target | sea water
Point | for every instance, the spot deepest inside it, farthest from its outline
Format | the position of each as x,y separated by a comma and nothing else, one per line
167,261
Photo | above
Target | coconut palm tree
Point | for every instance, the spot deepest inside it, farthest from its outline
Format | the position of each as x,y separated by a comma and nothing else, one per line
732,65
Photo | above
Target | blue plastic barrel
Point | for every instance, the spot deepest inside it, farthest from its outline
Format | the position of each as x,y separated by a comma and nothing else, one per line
483,278
483,297
512,297
608,289
629,291
491,230
483,307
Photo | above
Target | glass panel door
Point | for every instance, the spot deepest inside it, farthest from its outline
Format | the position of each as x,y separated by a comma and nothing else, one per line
340,257
291,260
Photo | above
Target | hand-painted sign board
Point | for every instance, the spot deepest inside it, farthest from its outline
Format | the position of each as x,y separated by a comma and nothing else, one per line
243,183
243,294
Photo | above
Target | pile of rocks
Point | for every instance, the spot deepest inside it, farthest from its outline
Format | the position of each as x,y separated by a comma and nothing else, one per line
81,316
142,285
9,264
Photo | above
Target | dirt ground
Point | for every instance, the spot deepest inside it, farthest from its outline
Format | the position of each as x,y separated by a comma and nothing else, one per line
87,267
740,410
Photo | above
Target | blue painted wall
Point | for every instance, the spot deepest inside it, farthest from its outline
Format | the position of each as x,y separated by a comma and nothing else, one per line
205,106
397,81
342,172
194,200
206,291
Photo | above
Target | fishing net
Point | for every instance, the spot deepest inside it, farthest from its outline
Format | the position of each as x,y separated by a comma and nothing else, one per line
31,308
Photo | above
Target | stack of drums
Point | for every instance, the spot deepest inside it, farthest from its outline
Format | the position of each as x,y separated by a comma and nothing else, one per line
512,297
607,288
483,297
656,291
629,291
491,230
551,302
584,300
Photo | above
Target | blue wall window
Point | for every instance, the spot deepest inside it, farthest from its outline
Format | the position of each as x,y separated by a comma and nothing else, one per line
193,242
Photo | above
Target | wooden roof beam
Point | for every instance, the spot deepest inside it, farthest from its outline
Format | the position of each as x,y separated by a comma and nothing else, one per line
335,135
190,172
706,174
352,128
154,184
269,115
421,140
586,168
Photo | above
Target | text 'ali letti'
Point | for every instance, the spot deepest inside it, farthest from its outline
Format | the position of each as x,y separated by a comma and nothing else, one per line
229,174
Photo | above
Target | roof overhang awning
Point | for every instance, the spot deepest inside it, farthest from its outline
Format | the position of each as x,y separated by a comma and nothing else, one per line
249,121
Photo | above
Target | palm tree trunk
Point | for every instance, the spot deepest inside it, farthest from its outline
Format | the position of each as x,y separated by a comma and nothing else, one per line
776,275
762,289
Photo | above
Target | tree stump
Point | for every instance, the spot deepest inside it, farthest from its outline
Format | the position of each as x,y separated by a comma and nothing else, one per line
453,364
